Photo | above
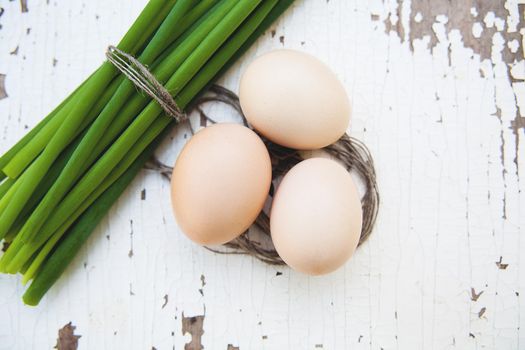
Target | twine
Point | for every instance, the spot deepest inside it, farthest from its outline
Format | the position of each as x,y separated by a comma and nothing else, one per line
352,153
143,79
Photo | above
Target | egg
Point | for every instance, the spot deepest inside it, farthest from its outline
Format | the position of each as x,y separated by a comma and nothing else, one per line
294,100
316,216
220,183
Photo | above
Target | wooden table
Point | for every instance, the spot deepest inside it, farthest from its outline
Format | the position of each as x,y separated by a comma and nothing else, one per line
439,97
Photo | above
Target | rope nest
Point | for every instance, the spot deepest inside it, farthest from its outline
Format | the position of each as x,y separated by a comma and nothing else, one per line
256,241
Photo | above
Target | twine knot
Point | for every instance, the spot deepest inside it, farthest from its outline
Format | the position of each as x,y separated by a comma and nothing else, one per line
143,79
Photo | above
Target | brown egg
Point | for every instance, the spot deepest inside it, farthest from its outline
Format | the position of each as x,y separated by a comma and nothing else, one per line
316,216
220,183
294,100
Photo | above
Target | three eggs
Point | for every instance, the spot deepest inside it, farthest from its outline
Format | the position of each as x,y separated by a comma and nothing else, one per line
222,177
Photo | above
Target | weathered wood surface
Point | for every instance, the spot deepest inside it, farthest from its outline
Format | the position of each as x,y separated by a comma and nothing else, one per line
439,96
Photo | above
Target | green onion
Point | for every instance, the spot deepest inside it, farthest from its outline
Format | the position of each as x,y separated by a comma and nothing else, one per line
143,121
210,70
65,174
74,167
81,194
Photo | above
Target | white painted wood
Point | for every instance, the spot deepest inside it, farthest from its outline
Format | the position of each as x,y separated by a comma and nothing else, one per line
452,200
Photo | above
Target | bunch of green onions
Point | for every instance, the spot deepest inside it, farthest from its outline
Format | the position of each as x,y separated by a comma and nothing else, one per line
57,183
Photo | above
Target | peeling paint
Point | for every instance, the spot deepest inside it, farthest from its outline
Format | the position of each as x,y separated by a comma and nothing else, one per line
459,17
23,6
500,265
474,296
231,347
502,159
476,20
130,253
195,327
393,22
67,339
3,93
515,125
203,283
482,312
